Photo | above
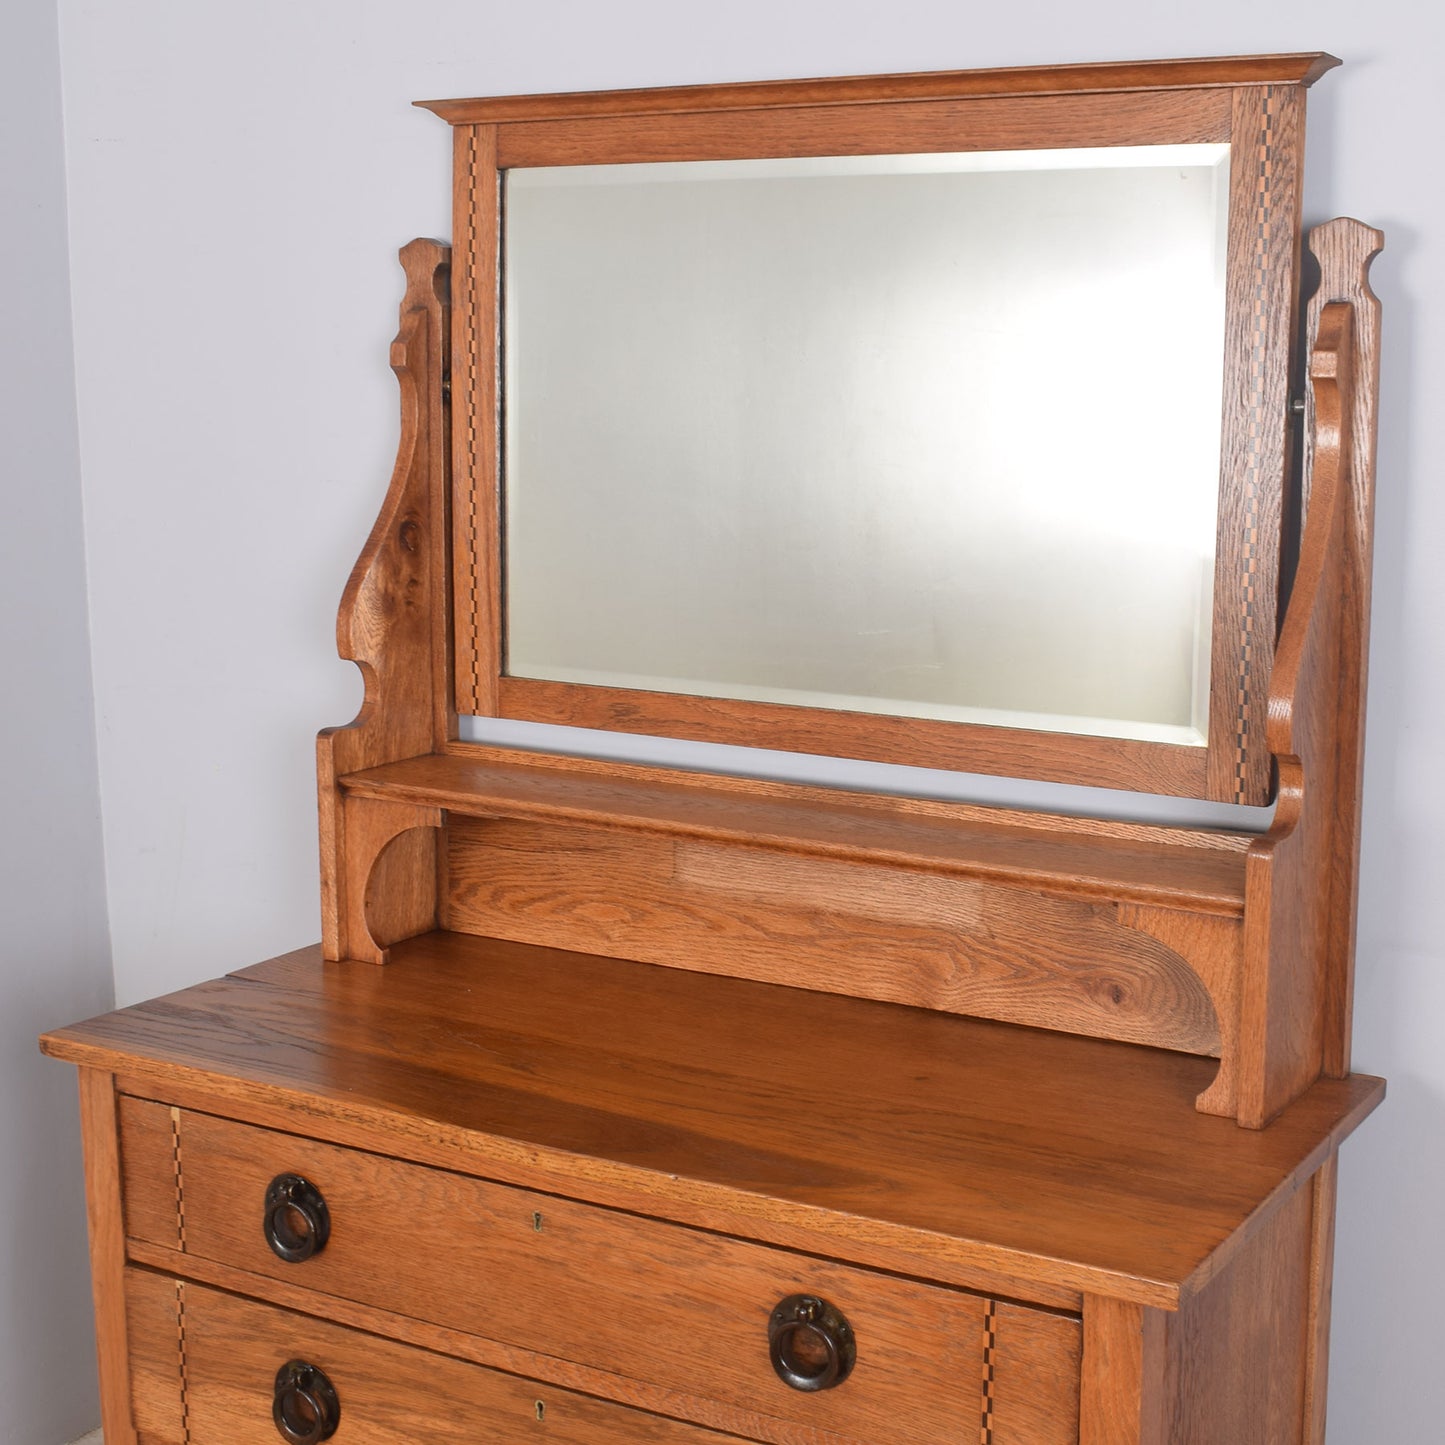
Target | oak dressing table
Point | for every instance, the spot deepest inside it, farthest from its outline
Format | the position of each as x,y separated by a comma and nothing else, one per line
625,1102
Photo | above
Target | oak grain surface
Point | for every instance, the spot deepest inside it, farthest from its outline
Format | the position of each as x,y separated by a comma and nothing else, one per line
1196,870
390,624
104,1208
390,1394
1237,1353
1125,1360
954,1143
839,925
595,1287
1189,117
1302,68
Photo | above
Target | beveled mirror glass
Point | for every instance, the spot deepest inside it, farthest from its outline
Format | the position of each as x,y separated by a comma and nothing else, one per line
927,435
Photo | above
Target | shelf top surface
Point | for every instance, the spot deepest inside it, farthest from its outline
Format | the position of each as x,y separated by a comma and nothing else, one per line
896,1136
1075,857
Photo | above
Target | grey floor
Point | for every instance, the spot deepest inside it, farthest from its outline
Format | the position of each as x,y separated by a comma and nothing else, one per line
92,1439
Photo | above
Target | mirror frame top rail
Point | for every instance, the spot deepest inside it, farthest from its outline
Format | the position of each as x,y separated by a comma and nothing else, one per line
1299,68
1255,104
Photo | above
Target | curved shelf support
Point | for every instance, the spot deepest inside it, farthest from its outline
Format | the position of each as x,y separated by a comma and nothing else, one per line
391,893
1211,947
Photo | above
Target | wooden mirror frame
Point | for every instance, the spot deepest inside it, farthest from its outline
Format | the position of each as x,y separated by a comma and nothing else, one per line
1256,104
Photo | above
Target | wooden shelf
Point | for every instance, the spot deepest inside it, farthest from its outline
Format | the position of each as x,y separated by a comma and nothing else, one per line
1193,870
977,1153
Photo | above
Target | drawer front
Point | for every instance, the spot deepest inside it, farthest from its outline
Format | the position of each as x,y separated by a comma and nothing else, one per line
668,1306
204,1365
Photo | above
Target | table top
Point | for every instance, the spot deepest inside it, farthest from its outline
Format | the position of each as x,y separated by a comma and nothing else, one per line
975,1152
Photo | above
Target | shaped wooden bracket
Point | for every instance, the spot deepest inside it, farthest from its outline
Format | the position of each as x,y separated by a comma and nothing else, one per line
1300,877
394,624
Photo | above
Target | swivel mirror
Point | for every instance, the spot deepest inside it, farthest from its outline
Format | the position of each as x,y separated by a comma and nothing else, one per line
952,434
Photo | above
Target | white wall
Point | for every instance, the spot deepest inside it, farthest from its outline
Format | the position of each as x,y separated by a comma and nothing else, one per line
240,178
54,956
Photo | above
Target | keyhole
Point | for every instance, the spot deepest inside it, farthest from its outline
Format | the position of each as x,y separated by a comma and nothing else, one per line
541,1410
537,1225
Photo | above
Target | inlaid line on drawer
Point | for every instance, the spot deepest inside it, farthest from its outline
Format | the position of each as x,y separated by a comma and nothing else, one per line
990,1339
181,1359
180,1179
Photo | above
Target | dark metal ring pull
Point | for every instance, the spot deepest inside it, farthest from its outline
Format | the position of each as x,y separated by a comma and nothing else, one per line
811,1343
297,1222
306,1410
